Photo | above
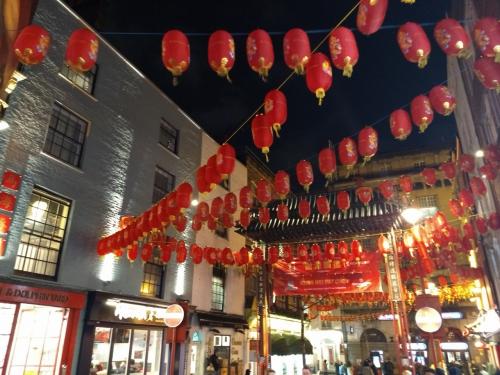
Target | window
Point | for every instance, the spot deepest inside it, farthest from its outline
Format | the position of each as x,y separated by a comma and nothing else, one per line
84,80
369,244
419,164
218,279
43,234
66,135
221,230
169,136
152,281
427,201
164,183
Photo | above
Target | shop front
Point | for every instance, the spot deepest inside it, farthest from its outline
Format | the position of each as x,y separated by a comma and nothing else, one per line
128,335
38,329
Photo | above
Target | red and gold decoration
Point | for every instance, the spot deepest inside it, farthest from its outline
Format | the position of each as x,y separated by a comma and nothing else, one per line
225,160
414,43
305,175
263,192
364,194
452,38
386,188
371,15
343,50
282,184
11,180
260,53
348,153
32,44
201,182
327,162
7,201
323,205
4,224
230,203
282,212
429,175
275,108
246,197
212,176
82,49
343,201
449,170
467,163
488,73
367,143
175,53
442,100
400,124
262,134
304,208
406,184
296,50
487,37
319,75
221,53
245,218
421,112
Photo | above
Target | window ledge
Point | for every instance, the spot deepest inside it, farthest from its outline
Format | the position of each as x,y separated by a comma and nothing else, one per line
77,87
169,151
79,170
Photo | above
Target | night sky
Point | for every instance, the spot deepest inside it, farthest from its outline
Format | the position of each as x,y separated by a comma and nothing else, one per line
382,80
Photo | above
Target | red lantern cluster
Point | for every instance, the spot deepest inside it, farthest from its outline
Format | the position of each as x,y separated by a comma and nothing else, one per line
32,44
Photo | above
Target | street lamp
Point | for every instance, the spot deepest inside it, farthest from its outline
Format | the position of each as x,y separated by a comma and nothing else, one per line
4,125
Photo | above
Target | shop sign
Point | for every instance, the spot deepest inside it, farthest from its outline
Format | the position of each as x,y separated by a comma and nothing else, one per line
196,336
41,296
392,275
454,346
174,316
428,319
452,315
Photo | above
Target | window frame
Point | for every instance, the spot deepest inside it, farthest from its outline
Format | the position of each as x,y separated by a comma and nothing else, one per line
65,69
84,133
428,197
167,127
160,170
62,200
218,272
155,262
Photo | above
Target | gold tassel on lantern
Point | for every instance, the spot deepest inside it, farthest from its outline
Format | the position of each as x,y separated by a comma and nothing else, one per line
347,72
422,60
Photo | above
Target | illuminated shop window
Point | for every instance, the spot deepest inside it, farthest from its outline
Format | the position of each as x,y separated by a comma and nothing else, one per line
152,282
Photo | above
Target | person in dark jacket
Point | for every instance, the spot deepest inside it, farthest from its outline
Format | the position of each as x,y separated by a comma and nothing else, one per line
388,367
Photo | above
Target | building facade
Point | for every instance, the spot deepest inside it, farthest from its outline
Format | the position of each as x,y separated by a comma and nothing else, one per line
89,148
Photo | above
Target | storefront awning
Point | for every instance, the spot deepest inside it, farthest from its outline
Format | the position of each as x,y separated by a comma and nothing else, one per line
288,344
214,319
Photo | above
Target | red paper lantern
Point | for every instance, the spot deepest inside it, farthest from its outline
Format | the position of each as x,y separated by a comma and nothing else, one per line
343,50
230,203
201,182
210,255
383,244
274,254
171,205
468,230
81,51
296,49
11,180
319,75
31,45
282,212
257,256
466,198
343,201
406,184
367,143
175,53
488,171
400,124
356,249
305,174
452,38
448,170
323,205
246,197
386,188
245,218
442,281
196,253
287,253
227,220
211,175
329,251
221,52
304,209
262,133
442,100
414,44
302,252
316,252
282,184
491,154
260,53
494,221
227,256
147,252
467,163
371,15
364,194
487,37
477,186
348,153
327,162
203,211
183,196
211,223
429,175
440,220
481,225
196,223
225,160
264,215
132,252
488,73
456,208
343,249
180,223
181,252
263,192
275,108
421,112
217,208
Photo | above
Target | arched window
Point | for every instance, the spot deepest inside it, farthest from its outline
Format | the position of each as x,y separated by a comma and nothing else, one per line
373,335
